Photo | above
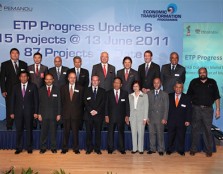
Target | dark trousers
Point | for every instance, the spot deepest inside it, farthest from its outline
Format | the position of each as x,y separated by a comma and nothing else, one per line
176,136
111,129
48,126
95,124
22,121
9,121
70,124
202,123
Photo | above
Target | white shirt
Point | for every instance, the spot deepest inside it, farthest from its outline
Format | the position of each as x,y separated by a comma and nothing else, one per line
25,85
147,64
49,86
118,92
179,95
136,99
158,90
127,70
38,67
73,86
173,66
59,69
94,88
13,63
106,66
78,69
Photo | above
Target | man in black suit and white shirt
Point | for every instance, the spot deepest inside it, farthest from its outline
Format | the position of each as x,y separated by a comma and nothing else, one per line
172,72
117,113
94,98
127,74
105,72
24,107
9,77
59,72
148,71
82,75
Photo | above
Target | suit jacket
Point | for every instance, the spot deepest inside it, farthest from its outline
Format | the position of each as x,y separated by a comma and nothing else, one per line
105,82
72,109
8,76
147,81
158,107
117,111
26,106
63,76
49,107
182,113
169,77
83,77
142,106
127,85
91,104
37,79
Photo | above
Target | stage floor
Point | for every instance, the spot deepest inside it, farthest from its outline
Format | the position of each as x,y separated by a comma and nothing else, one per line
115,163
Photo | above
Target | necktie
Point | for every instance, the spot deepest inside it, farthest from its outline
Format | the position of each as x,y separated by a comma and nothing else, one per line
16,67
177,100
95,93
126,75
37,70
23,90
104,70
58,73
156,94
116,97
78,74
147,69
71,92
48,91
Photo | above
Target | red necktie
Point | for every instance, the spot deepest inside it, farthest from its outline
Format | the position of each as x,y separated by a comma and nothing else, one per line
37,70
71,92
104,70
126,74
116,97
48,91
177,100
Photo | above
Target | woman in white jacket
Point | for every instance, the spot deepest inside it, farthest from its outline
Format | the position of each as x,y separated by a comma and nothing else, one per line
139,106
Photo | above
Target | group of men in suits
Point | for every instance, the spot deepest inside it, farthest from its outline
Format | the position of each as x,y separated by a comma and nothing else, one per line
106,100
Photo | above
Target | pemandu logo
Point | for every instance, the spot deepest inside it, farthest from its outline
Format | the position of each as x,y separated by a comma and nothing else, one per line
172,8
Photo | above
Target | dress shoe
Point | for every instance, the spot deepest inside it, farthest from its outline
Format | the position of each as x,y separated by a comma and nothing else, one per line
181,153
53,150
168,152
98,152
192,153
88,152
141,153
161,153
150,152
42,151
133,152
64,151
122,152
110,151
18,152
30,151
209,154
76,151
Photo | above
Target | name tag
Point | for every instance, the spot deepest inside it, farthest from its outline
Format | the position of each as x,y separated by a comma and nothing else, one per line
54,95
22,69
64,73
177,75
122,100
89,98
76,90
183,105
31,72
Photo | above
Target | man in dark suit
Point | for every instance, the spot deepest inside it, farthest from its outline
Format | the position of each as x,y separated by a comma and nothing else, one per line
172,72
179,118
37,73
148,71
49,113
9,77
127,74
105,72
117,113
24,107
82,75
94,98
59,72
72,111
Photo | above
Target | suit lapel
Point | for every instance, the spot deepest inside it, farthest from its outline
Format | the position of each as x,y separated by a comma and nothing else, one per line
11,66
